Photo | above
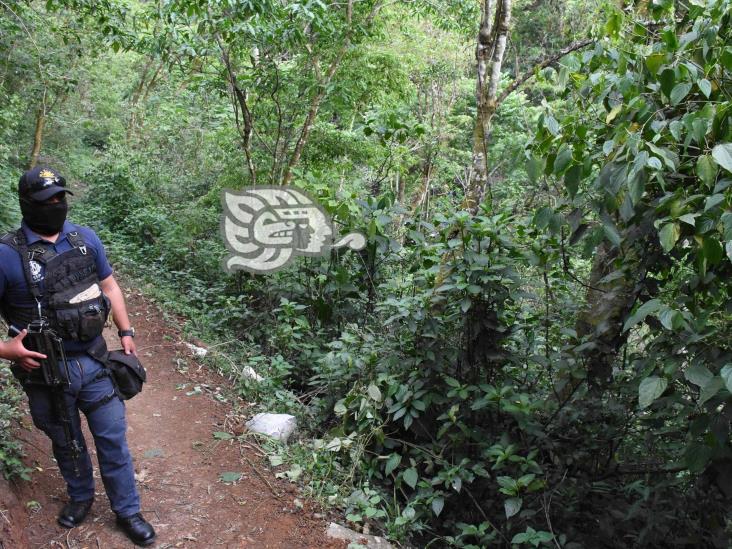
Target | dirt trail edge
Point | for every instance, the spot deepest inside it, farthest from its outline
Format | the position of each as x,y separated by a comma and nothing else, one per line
178,465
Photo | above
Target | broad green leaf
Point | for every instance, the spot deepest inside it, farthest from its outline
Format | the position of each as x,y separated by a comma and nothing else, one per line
722,184
611,232
706,169
613,113
340,408
669,235
220,435
667,80
670,39
650,389
727,222
552,125
679,92
670,319
699,129
676,128
437,505
698,374
689,219
712,201
392,463
512,506
637,187
534,168
726,375
688,38
705,86
627,210
452,382
696,456
712,249
669,157
654,163
711,389
614,23
572,179
374,392
411,477
722,153
564,157
654,62
649,307
543,217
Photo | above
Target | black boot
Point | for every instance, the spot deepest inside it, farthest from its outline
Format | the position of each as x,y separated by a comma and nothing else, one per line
74,513
137,529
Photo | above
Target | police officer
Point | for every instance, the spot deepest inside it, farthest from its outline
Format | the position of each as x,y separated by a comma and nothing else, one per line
54,269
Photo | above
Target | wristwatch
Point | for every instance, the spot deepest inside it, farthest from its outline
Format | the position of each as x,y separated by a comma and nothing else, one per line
125,333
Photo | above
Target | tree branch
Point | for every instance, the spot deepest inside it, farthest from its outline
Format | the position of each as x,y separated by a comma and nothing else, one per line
574,46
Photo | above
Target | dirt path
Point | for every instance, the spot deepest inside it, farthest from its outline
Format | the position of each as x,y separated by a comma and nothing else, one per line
177,463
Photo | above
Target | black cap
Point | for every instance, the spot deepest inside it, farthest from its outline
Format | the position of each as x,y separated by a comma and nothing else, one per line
41,184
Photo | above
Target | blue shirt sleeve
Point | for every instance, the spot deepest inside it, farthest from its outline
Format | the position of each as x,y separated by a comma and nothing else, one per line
104,269
3,279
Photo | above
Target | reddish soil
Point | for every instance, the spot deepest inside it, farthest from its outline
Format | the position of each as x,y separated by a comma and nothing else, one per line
177,464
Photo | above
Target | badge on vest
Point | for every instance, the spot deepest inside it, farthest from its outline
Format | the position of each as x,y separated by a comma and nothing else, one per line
36,271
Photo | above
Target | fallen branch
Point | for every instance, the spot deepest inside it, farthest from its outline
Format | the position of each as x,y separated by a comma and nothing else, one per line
260,475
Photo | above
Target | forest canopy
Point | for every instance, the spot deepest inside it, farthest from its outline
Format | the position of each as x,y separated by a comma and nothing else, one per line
535,346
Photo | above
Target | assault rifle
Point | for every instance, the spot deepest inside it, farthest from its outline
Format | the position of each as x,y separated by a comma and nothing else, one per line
42,339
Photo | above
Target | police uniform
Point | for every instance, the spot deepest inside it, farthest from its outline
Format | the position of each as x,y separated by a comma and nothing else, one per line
59,281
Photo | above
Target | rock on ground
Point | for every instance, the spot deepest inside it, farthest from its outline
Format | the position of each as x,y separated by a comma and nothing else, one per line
278,426
337,531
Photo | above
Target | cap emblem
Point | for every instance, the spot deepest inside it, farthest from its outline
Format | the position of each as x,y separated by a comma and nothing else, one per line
47,174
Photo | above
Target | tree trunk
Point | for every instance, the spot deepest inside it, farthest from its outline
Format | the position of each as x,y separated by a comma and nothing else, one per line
307,126
140,97
601,319
239,99
322,84
134,100
489,52
608,303
38,136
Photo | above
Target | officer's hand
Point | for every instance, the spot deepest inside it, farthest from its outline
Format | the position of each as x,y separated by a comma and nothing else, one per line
15,351
128,345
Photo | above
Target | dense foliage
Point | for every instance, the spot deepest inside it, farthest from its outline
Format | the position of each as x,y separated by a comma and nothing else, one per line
552,369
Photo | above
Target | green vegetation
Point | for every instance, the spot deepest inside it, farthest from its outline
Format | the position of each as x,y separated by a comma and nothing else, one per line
535,347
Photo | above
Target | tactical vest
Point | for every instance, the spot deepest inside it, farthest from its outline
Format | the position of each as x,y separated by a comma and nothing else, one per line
70,278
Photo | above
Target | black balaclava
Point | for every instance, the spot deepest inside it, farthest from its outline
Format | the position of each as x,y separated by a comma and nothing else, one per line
44,218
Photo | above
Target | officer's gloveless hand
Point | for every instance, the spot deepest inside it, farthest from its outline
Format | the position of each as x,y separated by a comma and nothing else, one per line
15,351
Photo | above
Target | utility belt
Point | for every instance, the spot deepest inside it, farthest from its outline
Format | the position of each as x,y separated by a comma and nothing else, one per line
126,372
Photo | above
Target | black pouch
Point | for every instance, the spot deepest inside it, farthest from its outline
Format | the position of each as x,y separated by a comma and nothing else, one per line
92,318
81,321
127,372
